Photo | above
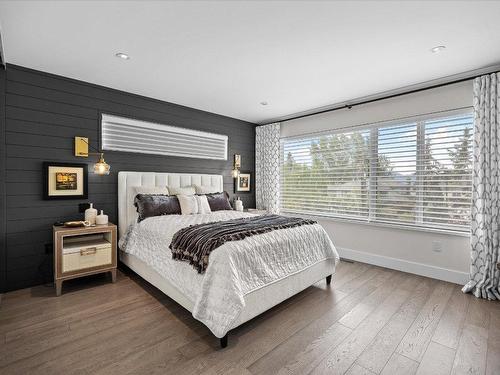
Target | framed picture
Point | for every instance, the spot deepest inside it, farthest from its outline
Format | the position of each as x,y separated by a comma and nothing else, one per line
237,161
65,181
243,183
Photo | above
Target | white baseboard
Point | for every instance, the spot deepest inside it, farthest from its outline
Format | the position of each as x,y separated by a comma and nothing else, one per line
421,269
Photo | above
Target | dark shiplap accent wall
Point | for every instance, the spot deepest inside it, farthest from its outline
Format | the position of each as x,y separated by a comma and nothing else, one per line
43,114
3,274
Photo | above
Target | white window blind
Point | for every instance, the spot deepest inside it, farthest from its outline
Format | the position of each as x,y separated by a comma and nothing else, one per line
125,134
415,173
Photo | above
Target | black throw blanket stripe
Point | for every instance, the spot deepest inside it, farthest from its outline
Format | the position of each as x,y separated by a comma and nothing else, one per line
195,243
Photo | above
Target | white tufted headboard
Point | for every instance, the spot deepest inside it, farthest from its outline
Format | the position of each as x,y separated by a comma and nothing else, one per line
128,180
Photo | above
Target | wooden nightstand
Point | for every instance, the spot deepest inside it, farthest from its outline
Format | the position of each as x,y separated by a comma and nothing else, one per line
83,251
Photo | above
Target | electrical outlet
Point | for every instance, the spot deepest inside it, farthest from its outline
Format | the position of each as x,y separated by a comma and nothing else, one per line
437,246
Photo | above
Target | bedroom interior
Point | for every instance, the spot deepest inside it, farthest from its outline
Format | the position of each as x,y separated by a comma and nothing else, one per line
241,187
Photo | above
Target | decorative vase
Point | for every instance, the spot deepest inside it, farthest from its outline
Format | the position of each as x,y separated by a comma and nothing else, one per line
91,214
238,204
101,219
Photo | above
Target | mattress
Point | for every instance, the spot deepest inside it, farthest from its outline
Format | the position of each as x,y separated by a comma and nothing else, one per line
256,302
236,269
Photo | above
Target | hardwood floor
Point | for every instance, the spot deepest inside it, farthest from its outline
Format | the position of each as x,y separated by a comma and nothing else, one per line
371,320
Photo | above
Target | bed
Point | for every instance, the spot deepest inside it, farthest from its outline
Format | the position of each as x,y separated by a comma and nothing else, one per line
244,278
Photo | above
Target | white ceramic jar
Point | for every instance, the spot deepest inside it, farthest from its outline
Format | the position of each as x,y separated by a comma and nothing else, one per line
102,219
238,204
91,214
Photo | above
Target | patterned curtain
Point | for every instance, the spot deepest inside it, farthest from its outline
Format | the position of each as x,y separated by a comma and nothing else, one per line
267,167
485,224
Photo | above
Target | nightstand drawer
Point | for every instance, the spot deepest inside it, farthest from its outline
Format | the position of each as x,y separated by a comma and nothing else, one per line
87,257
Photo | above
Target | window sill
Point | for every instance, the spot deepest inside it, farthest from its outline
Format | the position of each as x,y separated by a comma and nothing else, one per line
379,224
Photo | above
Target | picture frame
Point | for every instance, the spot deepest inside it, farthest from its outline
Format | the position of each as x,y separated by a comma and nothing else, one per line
65,181
243,183
237,161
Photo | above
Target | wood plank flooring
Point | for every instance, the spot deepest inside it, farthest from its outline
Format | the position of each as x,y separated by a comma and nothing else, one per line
371,320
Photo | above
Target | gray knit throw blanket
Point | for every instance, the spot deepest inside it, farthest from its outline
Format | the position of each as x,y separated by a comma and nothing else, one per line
195,243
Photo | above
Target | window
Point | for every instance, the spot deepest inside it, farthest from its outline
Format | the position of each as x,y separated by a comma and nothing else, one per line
130,135
415,173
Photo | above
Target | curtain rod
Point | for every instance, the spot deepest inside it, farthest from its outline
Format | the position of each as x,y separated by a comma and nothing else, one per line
397,120
473,74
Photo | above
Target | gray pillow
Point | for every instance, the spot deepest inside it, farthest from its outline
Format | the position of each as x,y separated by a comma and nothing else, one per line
149,205
219,201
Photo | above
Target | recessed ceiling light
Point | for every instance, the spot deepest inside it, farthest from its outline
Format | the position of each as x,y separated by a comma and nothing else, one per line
123,56
437,49
264,103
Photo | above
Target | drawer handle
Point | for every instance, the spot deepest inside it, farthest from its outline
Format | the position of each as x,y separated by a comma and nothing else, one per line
89,251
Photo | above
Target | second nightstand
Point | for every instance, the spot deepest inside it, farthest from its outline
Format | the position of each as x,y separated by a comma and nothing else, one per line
83,251
256,211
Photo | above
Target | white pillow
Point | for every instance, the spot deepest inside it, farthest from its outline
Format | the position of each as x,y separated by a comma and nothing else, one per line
194,204
203,206
163,190
188,203
206,189
187,190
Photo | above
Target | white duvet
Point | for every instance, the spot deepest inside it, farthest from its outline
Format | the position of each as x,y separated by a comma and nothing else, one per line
235,268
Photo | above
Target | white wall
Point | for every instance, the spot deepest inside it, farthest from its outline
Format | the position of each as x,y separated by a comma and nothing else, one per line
403,249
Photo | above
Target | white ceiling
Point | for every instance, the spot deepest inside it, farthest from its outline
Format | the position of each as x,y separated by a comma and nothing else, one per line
227,57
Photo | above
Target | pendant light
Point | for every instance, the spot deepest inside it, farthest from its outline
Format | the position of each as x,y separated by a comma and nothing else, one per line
82,149
101,167
236,166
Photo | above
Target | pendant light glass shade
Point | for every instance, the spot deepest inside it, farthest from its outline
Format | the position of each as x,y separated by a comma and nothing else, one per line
236,166
101,167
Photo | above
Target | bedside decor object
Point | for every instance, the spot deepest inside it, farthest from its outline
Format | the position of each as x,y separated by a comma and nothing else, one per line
75,224
236,166
242,183
91,214
101,219
256,211
238,204
65,181
101,167
83,251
